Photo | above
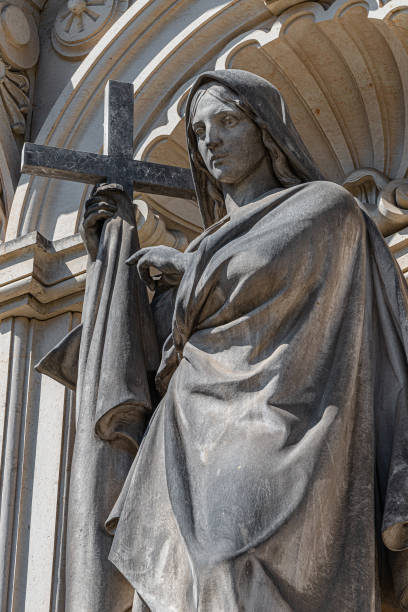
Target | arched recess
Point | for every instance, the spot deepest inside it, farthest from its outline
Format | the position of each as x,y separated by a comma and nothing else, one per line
342,70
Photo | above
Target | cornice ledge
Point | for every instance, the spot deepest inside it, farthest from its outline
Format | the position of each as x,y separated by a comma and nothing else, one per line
40,278
27,306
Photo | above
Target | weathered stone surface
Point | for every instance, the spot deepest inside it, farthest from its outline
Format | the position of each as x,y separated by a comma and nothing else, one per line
270,378
117,164
93,168
118,119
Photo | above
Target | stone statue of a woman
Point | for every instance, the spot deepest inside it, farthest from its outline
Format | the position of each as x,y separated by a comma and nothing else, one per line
274,472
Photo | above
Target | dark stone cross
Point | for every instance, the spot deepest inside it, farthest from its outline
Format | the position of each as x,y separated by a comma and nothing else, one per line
120,366
116,165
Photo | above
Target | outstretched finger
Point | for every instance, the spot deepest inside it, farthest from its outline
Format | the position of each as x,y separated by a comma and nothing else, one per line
133,259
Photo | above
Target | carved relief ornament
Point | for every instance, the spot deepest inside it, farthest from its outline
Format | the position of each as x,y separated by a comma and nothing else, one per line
19,42
80,23
19,51
14,96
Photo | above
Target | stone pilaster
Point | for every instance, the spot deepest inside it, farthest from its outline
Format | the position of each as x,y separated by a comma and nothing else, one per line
37,429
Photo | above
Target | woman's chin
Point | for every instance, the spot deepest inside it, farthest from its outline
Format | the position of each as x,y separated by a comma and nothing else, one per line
222,175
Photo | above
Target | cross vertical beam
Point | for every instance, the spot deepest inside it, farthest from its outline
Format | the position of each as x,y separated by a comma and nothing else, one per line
118,146
118,129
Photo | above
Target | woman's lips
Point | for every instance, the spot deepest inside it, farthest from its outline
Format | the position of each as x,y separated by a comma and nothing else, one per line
219,157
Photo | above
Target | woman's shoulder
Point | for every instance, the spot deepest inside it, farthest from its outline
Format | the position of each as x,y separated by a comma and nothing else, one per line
329,196
329,188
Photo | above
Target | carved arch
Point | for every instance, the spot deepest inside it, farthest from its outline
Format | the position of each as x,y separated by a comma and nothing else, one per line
342,70
156,45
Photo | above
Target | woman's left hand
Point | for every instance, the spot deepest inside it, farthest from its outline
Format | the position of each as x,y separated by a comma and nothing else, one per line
170,262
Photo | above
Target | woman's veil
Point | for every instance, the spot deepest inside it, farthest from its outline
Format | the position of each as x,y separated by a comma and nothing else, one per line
269,111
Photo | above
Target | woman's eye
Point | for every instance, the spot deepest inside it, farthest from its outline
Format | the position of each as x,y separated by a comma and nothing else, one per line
199,132
230,121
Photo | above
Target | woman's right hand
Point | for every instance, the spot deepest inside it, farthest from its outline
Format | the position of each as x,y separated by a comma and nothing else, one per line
101,206
170,262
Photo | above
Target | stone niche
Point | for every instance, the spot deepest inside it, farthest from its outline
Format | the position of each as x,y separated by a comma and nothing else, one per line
343,70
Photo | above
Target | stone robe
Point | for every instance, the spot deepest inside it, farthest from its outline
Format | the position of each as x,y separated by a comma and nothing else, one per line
106,360
274,473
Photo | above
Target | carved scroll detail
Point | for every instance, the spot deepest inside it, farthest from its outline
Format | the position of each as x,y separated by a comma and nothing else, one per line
19,51
14,88
384,200
153,231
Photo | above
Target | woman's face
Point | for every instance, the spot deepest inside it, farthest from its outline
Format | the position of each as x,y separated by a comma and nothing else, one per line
228,141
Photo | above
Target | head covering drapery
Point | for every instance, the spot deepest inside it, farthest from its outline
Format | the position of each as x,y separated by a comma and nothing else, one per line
269,112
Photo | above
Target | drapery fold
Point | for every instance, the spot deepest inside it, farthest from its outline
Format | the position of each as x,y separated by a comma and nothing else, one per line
106,359
284,420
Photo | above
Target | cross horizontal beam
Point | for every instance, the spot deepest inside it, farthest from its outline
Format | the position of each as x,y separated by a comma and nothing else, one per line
92,168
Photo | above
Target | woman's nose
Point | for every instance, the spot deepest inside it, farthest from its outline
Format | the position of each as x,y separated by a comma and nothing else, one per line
212,136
